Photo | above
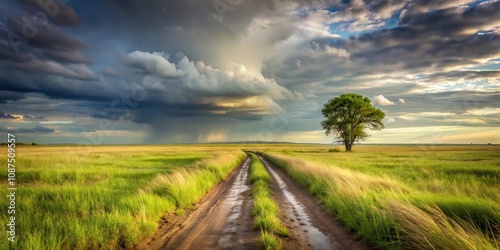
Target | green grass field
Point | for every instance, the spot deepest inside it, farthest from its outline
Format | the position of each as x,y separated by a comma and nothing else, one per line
107,197
442,197
394,197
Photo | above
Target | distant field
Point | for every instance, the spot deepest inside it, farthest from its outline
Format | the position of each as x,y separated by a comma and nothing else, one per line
442,197
107,197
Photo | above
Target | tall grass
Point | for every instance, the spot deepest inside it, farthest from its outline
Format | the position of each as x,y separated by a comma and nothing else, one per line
265,210
186,186
388,212
431,228
107,197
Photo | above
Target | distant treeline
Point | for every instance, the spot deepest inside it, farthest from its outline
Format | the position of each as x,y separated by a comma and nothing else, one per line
21,143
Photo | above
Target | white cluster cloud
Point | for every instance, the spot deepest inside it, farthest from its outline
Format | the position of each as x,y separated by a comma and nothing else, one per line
382,101
390,119
196,82
153,63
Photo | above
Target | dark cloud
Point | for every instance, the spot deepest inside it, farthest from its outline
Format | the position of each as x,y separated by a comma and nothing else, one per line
458,102
6,96
42,36
36,129
76,72
7,53
58,87
193,13
33,42
425,42
455,21
61,14
116,114
400,46
33,117
108,71
66,57
464,74
7,116
422,47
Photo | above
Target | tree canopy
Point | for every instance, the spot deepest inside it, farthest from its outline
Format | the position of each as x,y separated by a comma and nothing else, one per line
347,117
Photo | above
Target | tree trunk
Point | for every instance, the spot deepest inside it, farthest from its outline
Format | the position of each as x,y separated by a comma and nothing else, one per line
349,143
348,146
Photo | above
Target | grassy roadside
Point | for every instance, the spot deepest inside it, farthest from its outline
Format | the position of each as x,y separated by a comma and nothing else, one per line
265,210
389,213
108,197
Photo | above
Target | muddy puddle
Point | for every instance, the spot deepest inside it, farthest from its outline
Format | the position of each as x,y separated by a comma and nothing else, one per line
315,238
234,202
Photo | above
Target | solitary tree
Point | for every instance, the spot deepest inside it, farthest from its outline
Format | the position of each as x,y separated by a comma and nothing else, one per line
347,117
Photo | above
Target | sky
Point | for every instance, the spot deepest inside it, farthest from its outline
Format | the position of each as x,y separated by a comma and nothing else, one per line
183,71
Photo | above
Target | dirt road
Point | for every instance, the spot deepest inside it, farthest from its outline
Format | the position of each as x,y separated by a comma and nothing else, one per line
311,227
223,220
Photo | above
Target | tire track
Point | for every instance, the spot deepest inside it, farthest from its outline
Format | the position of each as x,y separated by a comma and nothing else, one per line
309,223
222,221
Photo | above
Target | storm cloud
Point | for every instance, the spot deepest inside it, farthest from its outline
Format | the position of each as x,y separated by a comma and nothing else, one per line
191,71
36,129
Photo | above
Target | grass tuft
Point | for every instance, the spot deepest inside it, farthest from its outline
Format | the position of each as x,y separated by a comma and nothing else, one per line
265,210
269,241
